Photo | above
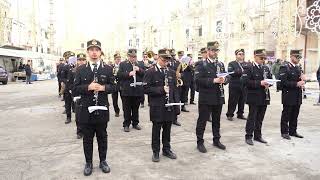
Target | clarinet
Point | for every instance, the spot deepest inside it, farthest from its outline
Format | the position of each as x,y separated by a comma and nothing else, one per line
96,93
166,83
266,90
220,85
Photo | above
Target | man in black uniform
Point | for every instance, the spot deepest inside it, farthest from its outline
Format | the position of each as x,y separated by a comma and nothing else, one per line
145,64
115,95
292,83
237,91
173,65
186,76
192,85
93,82
258,96
130,93
211,95
59,68
160,86
67,79
81,60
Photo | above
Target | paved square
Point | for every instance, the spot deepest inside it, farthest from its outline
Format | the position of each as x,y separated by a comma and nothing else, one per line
36,144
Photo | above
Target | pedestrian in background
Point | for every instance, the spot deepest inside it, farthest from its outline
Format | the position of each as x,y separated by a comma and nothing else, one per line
275,71
28,72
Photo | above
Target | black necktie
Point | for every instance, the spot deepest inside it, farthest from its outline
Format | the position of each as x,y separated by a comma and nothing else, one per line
259,66
95,69
162,70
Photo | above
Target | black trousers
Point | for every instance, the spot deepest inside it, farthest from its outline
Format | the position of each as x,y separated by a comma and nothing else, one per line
59,86
204,111
77,114
192,91
142,99
166,131
184,93
254,121
115,96
236,97
130,106
68,101
100,130
289,115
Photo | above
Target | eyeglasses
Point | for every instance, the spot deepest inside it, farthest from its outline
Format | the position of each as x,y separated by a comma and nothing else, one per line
145,56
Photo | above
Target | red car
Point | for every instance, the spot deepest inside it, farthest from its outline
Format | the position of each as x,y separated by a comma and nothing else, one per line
3,75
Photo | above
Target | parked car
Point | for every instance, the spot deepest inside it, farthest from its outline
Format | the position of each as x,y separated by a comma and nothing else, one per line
3,75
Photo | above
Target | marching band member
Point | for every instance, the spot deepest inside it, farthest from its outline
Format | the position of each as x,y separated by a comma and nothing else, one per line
258,97
211,95
160,86
292,83
93,82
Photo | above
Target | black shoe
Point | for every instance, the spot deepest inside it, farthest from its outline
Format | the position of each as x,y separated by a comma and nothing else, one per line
79,136
296,135
201,148
229,118
261,140
286,136
186,103
169,154
249,142
219,145
104,167
126,129
241,117
191,102
68,121
304,96
137,127
209,120
64,112
155,157
117,115
87,169
183,109
142,105
176,123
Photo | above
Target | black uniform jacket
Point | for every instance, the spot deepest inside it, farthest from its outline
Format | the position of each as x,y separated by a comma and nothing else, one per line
125,80
84,76
209,92
155,81
252,77
289,76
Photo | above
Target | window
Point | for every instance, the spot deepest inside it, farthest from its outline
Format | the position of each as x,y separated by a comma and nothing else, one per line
187,33
137,42
130,43
200,31
82,45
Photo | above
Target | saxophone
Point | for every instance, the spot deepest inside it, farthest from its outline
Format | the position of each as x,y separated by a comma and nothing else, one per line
179,80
